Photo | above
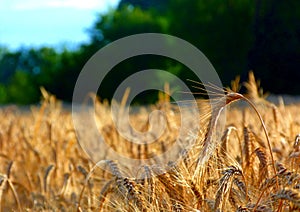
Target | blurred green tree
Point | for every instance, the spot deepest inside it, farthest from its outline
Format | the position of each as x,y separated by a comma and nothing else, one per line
236,36
159,5
222,30
275,54
22,89
118,24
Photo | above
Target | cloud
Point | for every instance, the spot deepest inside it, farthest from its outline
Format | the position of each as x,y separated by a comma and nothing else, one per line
75,4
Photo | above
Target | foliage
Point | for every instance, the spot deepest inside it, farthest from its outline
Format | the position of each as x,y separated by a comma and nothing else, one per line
22,88
276,51
236,36
220,29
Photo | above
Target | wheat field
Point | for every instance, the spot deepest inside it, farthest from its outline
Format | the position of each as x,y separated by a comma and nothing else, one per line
252,165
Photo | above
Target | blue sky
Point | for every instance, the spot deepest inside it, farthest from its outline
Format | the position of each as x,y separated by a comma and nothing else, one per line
48,22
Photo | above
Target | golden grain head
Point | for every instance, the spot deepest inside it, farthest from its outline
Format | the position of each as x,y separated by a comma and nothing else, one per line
252,166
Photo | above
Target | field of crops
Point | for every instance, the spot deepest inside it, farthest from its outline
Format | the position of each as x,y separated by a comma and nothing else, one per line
252,165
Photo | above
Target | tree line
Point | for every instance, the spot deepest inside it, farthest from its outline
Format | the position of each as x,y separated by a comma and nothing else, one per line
235,35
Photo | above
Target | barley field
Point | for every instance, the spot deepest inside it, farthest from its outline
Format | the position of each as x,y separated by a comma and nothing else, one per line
251,165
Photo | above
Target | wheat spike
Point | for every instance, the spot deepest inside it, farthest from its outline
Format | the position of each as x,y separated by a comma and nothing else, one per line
263,165
297,143
46,178
225,186
106,189
290,195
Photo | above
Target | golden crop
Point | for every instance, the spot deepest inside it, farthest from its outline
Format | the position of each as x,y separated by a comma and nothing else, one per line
252,166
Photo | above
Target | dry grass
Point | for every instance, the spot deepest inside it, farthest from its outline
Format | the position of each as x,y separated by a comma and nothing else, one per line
253,165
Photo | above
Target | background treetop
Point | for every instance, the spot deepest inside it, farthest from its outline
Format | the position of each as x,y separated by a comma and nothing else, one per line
236,36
